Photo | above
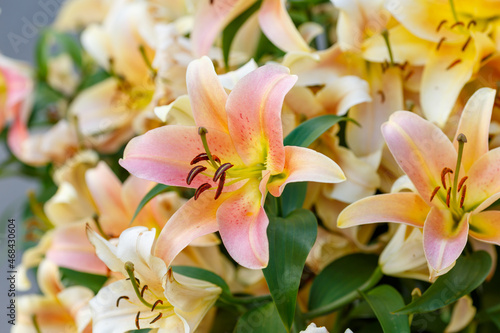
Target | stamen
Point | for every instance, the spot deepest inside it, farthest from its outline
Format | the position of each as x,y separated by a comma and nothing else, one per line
156,303
382,96
403,66
486,57
199,158
194,172
157,318
143,290
441,24
220,187
440,42
385,34
462,181
448,197
136,279
221,170
453,64
120,298
444,172
407,77
203,187
466,43
137,320
202,131
462,198
457,24
434,192
472,22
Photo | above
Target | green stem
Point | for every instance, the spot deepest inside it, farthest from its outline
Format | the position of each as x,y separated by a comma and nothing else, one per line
248,299
372,281
385,34
146,60
462,139
454,12
35,324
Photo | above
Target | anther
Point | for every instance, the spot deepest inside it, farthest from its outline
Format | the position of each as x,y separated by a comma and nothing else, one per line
216,159
120,298
156,303
448,195
453,64
440,25
466,43
456,24
382,96
462,198
220,186
199,158
444,172
486,57
203,187
434,192
143,290
137,320
403,66
158,317
407,77
221,170
462,181
440,42
471,23
194,172
136,280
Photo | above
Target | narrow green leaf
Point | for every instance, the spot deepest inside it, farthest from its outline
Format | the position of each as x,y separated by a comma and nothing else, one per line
339,282
290,240
158,189
384,300
307,132
71,278
264,319
293,197
68,44
202,274
232,28
468,274
42,54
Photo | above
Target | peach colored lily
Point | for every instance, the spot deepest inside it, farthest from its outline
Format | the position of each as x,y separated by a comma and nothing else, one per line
240,158
212,16
450,200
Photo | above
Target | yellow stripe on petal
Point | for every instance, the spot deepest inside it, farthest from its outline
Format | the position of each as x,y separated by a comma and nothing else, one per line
485,226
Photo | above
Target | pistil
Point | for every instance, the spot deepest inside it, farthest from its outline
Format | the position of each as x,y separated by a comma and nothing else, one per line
462,139
202,131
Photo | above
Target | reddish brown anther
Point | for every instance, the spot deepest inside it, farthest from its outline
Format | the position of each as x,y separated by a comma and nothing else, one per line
194,172
222,170
462,198
448,195
457,24
143,290
440,25
199,158
466,43
382,96
137,320
444,172
220,186
434,192
203,187
120,298
407,77
439,43
462,181
156,303
158,317
471,23
453,64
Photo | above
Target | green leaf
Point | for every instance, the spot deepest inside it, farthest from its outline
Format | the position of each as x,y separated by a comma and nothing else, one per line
384,300
202,274
42,54
290,240
338,284
293,197
68,44
307,132
233,27
264,319
71,278
158,189
468,274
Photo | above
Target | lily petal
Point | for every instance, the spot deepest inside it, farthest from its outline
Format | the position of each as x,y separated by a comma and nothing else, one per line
303,164
277,25
474,124
484,180
420,148
163,154
340,95
485,226
207,96
242,226
443,241
254,115
407,208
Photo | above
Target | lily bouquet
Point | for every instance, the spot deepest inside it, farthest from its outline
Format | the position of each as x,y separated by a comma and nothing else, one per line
259,166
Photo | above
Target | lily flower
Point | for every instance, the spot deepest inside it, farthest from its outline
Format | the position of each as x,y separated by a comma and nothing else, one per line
455,183
233,158
152,296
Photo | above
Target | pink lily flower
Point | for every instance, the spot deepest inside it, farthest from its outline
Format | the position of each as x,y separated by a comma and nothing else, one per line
233,165
455,183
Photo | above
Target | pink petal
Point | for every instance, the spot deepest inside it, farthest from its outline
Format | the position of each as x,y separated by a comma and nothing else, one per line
475,124
70,248
443,239
277,25
305,165
254,115
484,180
407,208
242,226
420,148
485,226
194,219
206,94
164,154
